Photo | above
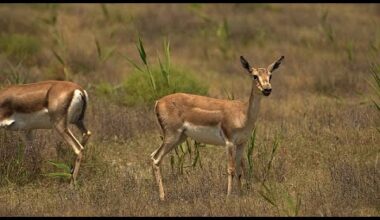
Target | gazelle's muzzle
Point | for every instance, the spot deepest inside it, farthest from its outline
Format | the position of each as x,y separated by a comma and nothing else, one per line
267,91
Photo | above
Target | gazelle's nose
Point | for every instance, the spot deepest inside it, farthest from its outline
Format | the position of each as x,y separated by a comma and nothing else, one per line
268,90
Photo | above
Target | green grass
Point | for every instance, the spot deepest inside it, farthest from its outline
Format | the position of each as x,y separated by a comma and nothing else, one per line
375,69
138,90
19,46
151,82
65,170
327,157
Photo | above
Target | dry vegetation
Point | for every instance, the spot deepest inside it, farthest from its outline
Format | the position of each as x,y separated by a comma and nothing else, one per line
320,112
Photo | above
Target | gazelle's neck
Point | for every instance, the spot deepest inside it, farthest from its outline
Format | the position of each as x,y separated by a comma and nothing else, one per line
253,106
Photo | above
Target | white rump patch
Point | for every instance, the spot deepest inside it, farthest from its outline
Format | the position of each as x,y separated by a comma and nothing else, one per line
75,107
205,134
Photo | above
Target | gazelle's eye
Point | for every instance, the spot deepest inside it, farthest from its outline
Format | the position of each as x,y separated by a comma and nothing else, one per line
255,77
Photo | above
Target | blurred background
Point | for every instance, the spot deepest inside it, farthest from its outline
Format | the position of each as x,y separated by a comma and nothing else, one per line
316,146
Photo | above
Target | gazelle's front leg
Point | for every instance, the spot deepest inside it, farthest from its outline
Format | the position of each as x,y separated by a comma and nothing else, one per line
240,166
231,154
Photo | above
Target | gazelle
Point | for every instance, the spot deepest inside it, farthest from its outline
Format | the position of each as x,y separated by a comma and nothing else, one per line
46,105
212,121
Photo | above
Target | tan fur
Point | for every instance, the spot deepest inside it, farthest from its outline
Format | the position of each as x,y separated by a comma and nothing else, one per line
177,108
50,102
211,121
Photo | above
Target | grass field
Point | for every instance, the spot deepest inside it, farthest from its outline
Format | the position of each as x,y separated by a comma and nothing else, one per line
317,140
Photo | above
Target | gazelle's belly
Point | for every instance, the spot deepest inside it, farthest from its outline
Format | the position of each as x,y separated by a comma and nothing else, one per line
205,134
24,121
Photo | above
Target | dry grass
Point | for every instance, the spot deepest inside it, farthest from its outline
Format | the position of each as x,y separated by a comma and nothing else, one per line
326,163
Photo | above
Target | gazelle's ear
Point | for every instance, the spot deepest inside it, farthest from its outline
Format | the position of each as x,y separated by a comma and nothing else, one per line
245,64
275,65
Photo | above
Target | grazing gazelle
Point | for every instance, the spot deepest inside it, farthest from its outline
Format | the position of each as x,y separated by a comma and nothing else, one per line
46,105
212,121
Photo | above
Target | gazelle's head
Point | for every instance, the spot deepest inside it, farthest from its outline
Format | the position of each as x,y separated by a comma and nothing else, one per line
262,76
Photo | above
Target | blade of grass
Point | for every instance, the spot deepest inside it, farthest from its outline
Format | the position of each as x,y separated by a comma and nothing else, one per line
267,198
163,72
105,10
58,175
133,63
98,49
140,48
59,58
108,53
60,166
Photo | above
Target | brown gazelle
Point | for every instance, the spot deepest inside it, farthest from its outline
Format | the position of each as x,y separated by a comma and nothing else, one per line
212,121
46,105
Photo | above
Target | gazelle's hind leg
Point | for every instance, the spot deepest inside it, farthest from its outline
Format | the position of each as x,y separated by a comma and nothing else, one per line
63,130
170,140
85,132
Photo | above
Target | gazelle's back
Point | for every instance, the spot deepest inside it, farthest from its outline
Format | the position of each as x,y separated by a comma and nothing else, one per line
27,98
185,100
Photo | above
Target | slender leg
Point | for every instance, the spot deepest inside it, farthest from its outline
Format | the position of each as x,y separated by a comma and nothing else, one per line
85,132
239,164
170,140
63,130
231,152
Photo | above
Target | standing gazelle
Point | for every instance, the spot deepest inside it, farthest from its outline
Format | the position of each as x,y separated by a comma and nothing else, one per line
46,105
212,121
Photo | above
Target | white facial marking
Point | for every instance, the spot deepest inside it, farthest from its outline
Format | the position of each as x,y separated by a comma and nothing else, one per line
205,134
